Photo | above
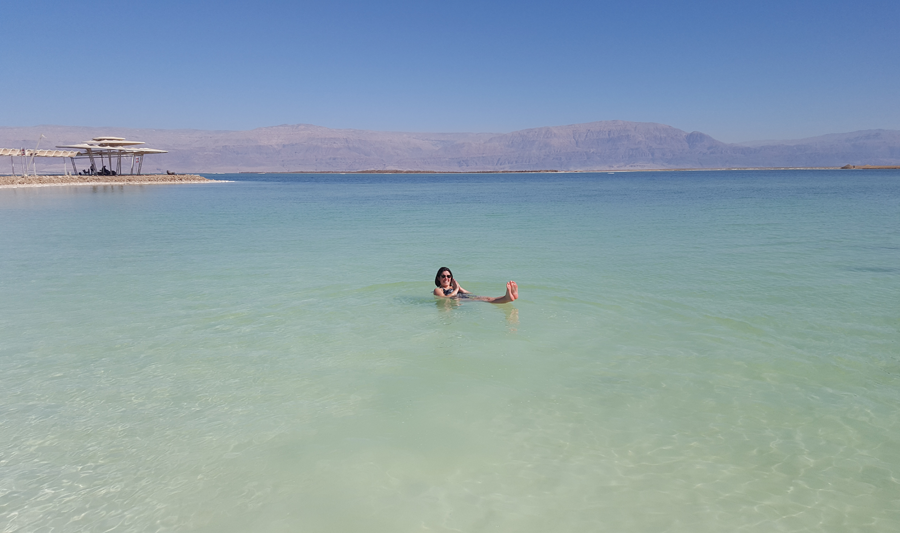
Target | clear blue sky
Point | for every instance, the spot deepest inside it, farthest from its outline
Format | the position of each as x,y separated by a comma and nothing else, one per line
738,71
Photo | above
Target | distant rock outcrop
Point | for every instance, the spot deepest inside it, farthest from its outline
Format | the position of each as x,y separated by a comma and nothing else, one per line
607,145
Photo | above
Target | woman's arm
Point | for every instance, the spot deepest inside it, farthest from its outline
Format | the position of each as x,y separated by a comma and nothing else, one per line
459,288
440,292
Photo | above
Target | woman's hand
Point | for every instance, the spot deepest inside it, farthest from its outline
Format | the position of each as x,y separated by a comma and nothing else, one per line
454,285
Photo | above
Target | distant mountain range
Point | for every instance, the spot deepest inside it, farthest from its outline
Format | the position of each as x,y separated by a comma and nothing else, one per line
608,145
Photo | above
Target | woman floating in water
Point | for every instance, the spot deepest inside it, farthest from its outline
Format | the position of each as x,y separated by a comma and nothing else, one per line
447,287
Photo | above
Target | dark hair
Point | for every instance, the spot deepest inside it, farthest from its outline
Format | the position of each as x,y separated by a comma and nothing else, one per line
437,277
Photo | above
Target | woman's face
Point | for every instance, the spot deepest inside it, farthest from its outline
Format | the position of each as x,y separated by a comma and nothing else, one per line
446,277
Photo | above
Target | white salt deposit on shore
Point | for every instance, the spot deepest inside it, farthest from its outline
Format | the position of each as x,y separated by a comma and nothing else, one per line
9,182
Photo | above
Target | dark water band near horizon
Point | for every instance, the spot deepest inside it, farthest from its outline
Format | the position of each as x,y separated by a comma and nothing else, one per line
691,352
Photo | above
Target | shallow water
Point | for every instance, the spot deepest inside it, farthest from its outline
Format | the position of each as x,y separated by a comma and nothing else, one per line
691,352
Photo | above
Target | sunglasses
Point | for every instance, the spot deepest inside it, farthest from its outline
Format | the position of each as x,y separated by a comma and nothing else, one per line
446,276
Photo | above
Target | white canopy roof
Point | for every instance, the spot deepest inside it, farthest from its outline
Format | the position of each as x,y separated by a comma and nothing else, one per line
26,152
79,146
141,150
114,149
114,142
107,145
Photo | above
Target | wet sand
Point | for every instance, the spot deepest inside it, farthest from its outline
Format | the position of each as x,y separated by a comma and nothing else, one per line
7,182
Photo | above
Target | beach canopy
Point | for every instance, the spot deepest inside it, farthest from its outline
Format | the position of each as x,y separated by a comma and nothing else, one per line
108,148
100,150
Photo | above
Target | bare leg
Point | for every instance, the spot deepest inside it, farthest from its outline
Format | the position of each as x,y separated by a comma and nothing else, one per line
512,294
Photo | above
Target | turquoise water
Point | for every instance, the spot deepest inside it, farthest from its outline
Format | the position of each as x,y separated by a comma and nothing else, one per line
691,352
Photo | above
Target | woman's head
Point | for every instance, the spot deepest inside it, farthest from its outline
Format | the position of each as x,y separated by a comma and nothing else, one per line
443,272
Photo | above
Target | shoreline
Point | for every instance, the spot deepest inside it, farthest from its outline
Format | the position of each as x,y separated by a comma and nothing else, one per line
599,171
15,182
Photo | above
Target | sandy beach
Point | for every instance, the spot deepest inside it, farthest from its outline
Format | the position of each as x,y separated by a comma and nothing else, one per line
8,182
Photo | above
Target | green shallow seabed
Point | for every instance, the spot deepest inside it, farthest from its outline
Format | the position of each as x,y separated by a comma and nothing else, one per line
691,352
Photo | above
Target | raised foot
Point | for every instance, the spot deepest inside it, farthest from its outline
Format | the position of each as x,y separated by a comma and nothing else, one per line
512,290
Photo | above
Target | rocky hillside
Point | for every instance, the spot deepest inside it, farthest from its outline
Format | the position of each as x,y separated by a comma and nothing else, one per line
591,146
